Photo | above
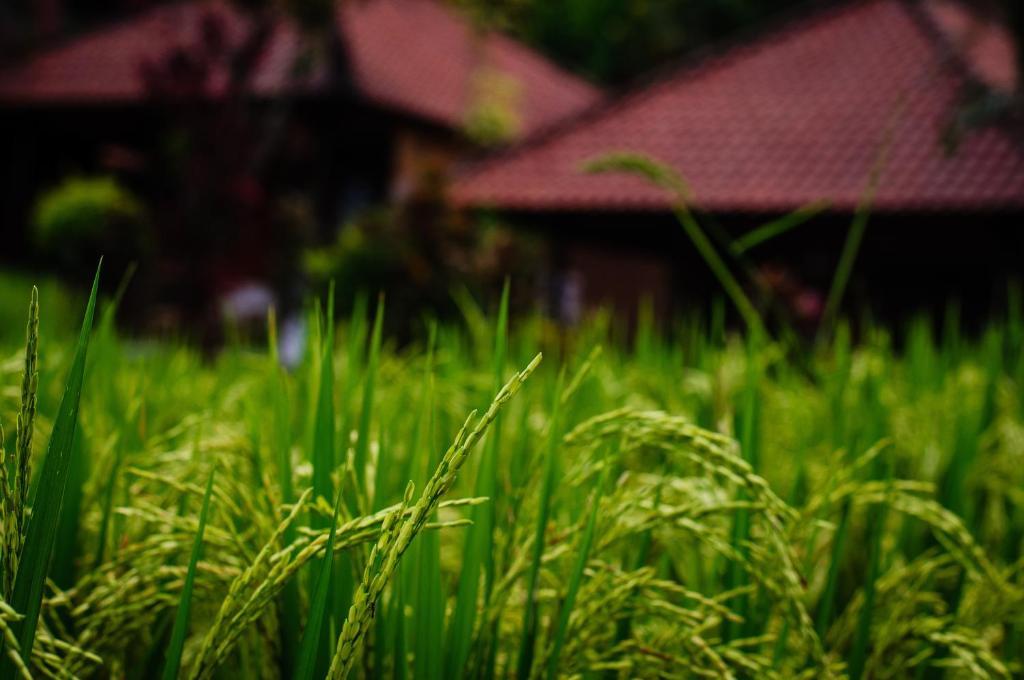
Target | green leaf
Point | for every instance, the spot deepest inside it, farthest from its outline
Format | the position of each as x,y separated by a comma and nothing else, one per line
66,547
577,575
768,231
323,427
479,550
851,245
527,643
668,179
311,636
323,466
277,388
425,584
363,436
876,527
173,660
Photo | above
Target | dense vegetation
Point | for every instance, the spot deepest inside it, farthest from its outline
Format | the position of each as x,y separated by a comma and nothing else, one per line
615,40
705,506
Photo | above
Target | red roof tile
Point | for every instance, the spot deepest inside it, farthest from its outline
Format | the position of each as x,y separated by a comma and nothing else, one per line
412,55
792,118
418,56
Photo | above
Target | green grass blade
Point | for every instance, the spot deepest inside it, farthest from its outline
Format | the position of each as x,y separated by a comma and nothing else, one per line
860,222
41,534
489,469
172,663
281,441
65,551
312,636
528,641
766,232
478,560
748,429
355,347
323,422
668,179
108,502
366,416
828,596
876,527
577,575
428,598
324,463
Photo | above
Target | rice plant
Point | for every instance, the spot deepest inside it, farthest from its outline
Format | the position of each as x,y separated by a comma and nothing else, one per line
692,503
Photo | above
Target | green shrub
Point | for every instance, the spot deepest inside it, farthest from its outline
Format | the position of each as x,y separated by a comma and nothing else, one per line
418,254
85,217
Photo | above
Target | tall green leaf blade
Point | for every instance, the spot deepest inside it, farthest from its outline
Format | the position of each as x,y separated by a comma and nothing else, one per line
323,423
479,551
366,416
66,548
577,576
41,535
667,178
777,227
311,636
876,527
281,442
172,663
748,422
427,627
529,636
323,466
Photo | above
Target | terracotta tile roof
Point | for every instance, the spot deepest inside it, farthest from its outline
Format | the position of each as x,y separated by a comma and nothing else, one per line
412,55
795,117
418,56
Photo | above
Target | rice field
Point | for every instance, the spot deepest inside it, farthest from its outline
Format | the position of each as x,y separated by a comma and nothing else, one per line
507,500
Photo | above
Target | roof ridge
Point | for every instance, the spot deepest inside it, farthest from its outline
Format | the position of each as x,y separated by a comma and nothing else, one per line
798,149
661,75
62,40
98,65
509,41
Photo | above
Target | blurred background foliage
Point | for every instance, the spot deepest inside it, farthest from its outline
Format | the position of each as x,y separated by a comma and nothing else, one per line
84,217
611,41
418,254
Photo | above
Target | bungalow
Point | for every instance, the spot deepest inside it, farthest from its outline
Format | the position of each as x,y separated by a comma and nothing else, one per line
389,92
921,95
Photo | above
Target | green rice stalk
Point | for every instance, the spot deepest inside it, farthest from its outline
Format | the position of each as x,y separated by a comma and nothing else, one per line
309,650
17,469
428,601
670,180
41,532
26,417
860,222
172,663
478,553
396,536
576,578
876,527
277,387
766,232
527,643
362,447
